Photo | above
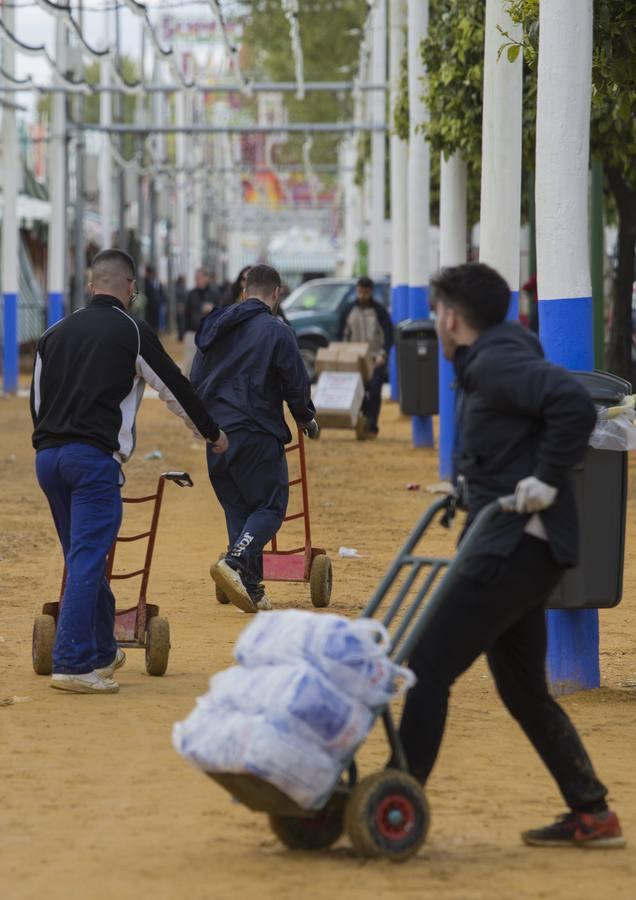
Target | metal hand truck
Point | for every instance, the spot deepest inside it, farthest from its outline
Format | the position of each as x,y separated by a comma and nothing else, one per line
139,625
385,814
307,563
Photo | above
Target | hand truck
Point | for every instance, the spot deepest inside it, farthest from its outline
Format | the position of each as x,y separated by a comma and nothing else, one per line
139,625
384,814
301,564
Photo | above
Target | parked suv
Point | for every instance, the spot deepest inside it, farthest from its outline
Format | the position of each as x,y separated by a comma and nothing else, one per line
314,308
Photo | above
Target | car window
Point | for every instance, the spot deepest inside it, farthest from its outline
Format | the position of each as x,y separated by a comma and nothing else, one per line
322,298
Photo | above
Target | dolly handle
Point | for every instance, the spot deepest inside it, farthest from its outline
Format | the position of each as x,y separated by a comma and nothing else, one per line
182,479
507,504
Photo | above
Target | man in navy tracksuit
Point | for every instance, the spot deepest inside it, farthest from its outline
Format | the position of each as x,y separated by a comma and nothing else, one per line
248,364
88,381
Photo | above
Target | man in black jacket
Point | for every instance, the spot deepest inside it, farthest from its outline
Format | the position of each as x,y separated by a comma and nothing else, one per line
88,381
201,300
367,321
248,364
526,423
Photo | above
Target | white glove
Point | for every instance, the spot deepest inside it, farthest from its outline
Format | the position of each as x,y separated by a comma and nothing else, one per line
532,495
312,430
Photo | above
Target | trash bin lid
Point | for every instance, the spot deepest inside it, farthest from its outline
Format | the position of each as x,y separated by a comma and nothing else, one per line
603,386
413,328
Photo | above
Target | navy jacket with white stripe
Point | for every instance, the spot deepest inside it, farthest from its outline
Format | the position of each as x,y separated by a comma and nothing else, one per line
89,375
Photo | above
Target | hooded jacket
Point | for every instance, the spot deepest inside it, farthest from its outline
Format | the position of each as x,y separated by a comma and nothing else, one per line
247,365
521,416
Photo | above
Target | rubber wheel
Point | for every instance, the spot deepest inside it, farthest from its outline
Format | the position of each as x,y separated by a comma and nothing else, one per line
157,646
320,581
362,428
42,645
387,816
315,833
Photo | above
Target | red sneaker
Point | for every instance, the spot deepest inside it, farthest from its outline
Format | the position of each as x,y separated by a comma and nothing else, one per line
588,830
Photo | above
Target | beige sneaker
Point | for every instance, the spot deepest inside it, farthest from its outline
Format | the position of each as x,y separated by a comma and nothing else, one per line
86,683
229,581
117,663
263,603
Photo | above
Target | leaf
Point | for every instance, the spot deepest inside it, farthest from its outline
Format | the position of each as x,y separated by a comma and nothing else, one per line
513,52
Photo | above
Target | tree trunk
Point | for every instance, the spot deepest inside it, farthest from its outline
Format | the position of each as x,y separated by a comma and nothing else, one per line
619,357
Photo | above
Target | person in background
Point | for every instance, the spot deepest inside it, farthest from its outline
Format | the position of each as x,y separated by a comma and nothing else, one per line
248,364
180,296
88,381
155,298
235,291
201,300
367,321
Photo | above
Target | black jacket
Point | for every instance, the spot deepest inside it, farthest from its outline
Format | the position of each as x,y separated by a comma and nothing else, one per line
195,300
384,320
247,365
521,416
89,375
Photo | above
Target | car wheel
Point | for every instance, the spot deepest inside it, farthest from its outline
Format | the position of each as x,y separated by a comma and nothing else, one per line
308,352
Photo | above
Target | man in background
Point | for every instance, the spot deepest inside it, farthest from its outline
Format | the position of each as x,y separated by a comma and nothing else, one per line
201,300
367,321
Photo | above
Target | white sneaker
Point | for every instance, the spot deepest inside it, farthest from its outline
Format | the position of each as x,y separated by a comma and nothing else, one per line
263,603
86,683
117,663
229,581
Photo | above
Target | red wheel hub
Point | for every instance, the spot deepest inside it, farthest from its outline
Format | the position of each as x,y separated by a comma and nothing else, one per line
395,817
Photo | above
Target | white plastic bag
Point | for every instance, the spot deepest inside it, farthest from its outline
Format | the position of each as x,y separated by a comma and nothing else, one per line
615,428
350,653
298,699
217,739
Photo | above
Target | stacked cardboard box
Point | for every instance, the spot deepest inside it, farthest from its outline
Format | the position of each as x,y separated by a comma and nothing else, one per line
346,357
338,398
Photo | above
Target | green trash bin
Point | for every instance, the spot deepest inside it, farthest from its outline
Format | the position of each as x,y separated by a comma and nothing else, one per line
417,355
600,488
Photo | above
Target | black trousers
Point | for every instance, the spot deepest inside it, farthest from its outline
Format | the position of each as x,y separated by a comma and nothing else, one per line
372,402
496,607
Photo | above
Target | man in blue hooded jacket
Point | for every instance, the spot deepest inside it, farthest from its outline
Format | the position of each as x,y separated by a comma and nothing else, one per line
247,365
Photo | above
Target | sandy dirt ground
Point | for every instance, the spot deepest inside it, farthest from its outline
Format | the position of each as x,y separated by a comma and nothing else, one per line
94,802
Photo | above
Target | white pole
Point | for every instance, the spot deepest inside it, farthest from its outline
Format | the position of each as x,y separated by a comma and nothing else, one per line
563,264
182,190
500,226
418,193
399,185
377,266
452,252
10,259
57,182
106,160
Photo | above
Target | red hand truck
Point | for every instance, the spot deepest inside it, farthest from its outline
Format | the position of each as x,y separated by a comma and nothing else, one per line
139,625
300,564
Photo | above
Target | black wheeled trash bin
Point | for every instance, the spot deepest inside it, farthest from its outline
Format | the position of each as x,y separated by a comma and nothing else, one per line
600,487
417,355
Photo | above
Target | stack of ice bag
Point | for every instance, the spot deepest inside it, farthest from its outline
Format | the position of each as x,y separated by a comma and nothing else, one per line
300,701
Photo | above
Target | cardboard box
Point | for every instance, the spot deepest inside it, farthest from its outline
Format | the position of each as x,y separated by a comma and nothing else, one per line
338,398
345,357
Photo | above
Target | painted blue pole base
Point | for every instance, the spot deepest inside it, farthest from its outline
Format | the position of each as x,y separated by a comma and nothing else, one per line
573,650
446,417
399,312
566,332
422,431
10,363
513,309
55,309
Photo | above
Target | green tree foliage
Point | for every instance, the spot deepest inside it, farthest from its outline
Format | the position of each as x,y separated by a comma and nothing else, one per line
613,141
330,33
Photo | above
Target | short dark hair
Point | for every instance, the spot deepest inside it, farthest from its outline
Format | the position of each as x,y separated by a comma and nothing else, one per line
114,258
264,278
476,291
365,282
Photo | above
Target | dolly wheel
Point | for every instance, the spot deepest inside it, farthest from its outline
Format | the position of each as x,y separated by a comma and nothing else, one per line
320,581
387,816
42,645
312,833
157,646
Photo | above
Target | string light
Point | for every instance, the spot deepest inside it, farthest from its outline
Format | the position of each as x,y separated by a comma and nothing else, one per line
290,8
